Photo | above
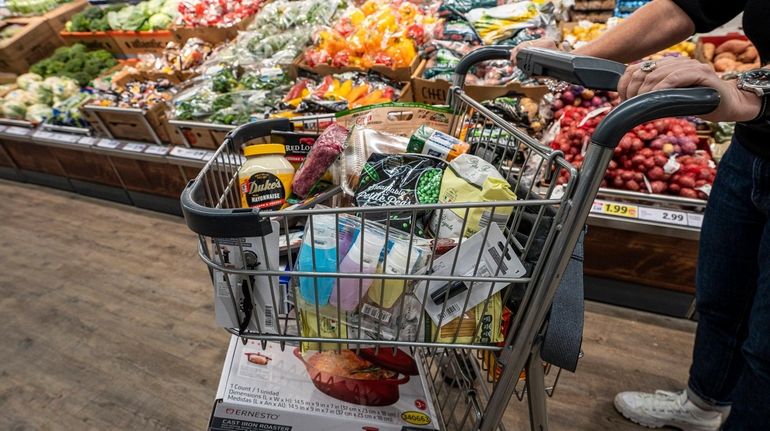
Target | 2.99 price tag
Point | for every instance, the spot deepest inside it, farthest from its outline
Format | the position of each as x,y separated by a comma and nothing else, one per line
663,216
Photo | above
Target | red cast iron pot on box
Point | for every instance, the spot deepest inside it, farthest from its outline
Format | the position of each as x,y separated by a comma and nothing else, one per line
380,392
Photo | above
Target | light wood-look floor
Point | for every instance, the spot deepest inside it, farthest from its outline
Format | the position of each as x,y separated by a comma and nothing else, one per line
106,323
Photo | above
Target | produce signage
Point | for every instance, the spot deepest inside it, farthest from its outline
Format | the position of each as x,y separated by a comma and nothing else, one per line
657,215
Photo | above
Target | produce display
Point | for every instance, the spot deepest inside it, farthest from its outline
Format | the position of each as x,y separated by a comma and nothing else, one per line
502,22
215,13
662,156
144,16
75,62
735,55
35,97
33,7
279,32
231,95
378,33
135,94
175,58
338,93
91,19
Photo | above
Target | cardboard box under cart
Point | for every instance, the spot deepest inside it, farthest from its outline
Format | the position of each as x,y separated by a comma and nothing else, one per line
273,390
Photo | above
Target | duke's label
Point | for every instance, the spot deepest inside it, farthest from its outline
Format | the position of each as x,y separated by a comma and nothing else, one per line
265,191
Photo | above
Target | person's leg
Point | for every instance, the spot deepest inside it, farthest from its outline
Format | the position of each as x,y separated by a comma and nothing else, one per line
725,284
751,397
726,279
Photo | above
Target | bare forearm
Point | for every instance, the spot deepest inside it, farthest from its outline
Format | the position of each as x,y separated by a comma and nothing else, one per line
654,27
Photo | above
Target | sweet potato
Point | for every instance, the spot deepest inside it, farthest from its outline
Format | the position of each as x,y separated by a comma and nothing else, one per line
745,67
723,55
708,51
725,65
749,55
736,46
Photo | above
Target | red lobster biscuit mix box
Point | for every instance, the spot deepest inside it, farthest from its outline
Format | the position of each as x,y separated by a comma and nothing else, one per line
273,390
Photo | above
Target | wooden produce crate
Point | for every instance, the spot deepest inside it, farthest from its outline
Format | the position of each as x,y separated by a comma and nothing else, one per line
57,18
212,35
435,92
201,135
140,42
92,40
33,43
133,124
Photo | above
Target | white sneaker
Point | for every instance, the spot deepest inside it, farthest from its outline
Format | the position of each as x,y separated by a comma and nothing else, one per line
664,408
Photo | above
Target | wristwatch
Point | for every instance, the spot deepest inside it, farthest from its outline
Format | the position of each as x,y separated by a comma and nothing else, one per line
757,81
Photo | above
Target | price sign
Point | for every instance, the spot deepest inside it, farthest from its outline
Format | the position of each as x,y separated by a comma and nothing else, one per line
615,209
208,156
663,216
694,220
108,143
156,149
136,148
188,153
2,128
19,131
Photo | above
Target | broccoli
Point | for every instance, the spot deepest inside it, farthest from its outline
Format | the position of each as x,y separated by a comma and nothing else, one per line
76,63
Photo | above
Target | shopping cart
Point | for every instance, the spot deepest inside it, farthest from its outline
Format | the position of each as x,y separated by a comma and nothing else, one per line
471,379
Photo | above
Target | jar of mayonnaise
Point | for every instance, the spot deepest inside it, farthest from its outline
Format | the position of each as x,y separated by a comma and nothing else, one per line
265,178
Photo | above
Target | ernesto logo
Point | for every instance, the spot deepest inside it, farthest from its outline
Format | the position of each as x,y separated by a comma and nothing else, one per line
252,414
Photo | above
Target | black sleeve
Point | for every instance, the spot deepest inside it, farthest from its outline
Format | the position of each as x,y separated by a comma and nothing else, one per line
710,14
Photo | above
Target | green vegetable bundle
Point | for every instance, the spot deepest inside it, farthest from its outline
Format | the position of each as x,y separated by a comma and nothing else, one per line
33,7
76,63
144,16
91,19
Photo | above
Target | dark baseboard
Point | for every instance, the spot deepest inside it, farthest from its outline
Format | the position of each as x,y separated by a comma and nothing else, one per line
101,191
645,298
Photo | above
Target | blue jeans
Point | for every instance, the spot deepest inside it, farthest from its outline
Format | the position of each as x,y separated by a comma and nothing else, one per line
731,358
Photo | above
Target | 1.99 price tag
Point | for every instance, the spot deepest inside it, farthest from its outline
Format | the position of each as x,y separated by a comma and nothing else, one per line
615,209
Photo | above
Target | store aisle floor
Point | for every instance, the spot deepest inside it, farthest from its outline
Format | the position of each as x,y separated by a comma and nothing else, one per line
107,323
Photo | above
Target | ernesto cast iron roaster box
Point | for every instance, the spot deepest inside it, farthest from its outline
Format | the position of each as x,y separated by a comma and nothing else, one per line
274,390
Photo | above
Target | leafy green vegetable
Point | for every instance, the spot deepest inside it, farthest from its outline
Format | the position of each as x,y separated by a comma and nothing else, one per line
33,7
76,63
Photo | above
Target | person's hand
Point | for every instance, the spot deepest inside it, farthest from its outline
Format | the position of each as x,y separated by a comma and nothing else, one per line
543,42
675,72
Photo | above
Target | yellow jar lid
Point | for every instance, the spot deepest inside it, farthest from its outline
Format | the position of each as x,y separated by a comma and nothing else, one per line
260,149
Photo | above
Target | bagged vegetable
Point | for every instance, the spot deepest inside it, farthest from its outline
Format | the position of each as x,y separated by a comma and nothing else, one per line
24,80
321,156
14,109
38,113
363,143
470,179
437,144
401,179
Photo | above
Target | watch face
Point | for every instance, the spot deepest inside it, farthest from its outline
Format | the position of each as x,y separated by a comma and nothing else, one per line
757,78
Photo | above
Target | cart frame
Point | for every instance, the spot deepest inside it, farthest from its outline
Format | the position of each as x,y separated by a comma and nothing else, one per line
555,220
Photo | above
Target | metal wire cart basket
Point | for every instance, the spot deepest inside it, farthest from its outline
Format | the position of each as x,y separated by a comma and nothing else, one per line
474,315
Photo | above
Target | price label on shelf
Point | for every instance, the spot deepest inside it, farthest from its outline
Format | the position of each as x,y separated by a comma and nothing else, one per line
64,137
615,209
663,216
694,220
42,134
2,128
188,153
87,140
18,131
156,149
209,155
135,148
108,143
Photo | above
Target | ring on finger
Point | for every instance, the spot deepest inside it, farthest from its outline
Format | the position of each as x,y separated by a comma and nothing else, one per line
648,66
